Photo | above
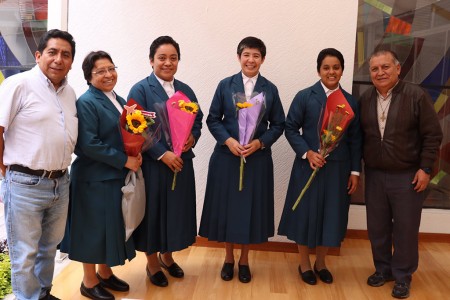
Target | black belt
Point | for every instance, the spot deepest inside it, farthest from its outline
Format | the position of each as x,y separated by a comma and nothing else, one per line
40,173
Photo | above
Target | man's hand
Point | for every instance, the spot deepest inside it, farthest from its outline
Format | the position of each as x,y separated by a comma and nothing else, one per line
420,181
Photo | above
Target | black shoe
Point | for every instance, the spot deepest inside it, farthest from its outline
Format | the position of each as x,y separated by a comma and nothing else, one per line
401,290
49,296
244,273
158,279
324,275
378,279
308,276
174,269
227,272
114,283
96,293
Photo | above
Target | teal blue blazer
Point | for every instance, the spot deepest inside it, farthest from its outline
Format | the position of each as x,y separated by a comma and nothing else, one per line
99,149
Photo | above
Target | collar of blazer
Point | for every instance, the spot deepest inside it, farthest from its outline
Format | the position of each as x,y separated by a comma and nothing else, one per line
319,94
238,84
104,100
158,89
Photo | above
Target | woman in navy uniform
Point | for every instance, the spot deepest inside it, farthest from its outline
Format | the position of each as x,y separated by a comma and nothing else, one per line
320,220
170,218
229,215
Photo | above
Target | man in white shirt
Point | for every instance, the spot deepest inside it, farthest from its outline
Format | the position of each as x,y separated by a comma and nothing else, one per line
38,132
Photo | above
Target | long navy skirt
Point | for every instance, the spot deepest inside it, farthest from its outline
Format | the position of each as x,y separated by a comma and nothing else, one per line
95,231
230,215
322,215
170,222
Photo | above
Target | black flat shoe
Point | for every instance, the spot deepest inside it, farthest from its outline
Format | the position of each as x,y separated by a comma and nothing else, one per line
97,292
227,271
308,276
401,290
378,279
158,279
174,269
244,273
114,283
324,275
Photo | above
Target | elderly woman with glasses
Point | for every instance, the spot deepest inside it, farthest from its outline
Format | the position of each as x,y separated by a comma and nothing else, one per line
95,232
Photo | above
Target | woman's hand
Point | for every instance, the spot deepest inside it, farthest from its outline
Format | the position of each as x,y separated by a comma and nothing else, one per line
133,163
352,183
189,143
315,159
234,146
174,162
252,147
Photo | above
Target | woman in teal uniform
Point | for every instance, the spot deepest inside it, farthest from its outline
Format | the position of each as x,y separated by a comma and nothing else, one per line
95,232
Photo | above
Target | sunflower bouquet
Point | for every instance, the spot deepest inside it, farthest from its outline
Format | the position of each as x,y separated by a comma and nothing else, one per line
177,116
249,115
138,128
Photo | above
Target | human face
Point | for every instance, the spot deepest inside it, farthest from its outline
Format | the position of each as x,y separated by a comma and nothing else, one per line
55,61
104,82
165,62
384,72
330,72
250,60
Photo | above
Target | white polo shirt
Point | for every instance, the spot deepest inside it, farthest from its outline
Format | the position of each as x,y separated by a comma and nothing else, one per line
41,124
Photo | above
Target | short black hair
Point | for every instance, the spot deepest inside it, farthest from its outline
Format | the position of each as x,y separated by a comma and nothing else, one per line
165,39
89,63
329,52
253,43
56,34
382,50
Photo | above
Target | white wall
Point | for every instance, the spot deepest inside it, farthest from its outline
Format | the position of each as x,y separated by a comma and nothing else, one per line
208,32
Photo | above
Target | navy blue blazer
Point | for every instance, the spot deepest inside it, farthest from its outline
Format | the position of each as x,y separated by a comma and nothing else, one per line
99,149
149,91
222,119
305,113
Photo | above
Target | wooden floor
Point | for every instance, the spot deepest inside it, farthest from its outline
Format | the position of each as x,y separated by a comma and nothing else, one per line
275,276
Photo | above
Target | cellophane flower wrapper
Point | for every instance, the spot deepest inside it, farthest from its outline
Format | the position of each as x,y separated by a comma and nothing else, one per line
176,123
249,118
336,116
135,143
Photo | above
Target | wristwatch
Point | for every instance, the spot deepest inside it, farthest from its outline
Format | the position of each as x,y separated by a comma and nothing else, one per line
262,144
427,170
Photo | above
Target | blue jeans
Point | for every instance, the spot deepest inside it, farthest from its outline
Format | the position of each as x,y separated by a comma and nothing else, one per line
35,219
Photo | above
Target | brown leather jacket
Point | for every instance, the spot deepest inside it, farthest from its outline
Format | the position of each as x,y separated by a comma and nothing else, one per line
412,135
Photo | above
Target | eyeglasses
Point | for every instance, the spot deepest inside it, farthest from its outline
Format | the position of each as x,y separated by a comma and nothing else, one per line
102,72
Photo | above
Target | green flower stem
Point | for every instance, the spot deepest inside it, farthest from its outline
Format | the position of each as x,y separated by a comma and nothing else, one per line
241,174
305,188
174,181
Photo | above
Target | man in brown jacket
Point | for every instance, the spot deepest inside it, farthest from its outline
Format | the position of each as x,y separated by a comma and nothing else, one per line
401,140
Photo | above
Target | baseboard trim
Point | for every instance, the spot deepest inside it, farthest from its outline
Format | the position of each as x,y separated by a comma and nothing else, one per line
290,247
423,236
